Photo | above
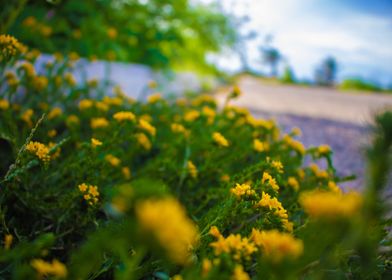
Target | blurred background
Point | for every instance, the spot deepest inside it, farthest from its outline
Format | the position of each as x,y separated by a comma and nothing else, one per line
323,66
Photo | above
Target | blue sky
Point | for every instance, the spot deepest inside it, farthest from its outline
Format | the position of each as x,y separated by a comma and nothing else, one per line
358,33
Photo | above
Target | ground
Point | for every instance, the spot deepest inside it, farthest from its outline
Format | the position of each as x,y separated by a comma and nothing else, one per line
325,116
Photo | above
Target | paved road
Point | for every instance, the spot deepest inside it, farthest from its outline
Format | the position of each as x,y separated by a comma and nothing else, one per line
325,116
354,108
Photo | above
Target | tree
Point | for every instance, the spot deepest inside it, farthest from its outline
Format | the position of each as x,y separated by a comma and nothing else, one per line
271,56
326,73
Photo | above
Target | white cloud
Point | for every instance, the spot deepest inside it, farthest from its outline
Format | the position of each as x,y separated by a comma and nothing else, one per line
306,31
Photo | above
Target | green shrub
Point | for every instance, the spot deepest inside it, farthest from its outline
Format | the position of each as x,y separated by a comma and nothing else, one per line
102,186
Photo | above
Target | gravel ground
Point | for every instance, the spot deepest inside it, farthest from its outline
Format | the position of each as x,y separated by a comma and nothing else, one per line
348,141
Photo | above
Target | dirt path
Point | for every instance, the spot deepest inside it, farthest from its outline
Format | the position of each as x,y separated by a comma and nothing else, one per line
325,116
354,108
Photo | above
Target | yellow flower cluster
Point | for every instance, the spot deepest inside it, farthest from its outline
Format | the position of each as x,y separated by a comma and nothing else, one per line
271,181
10,46
323,149
179,128
4,104
143,141
323,174
166,220
272,203
239,273
44,269
191,115
240,247
294,144
147,127
293,182
242,189
8,238
95,142
40,150
26,117
276,245
259,146
277,165
220,140
85,104
90,193
124,116
154,98
114,161
330,205
192,170
40,83
54,113
99,123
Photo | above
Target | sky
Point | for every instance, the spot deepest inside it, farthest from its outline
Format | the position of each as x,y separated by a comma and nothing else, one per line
358,33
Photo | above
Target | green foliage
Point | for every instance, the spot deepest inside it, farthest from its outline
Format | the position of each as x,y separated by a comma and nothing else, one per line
88,197
359,84
157,33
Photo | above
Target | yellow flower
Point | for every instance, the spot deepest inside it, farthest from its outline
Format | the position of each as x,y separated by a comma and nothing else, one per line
112,32
271,181
95,142
277,165
40,82
99,123
323,149
143,141
101,106
55,268
8,238
28,68
192,170
239,273
296,131
220,139
177,128
146,126
126,172
272,203
154,98
225,178
152,84
206,266
294,144
85,104
124,116
114,101
259,146
26,117
333,187
276,246
242,189
292,182
191,115
4,104
323,174
236,92
90,193
234,244
70,79
330,205
114,161
29,21
9,47
40,150
166,220
73,56
72,120
214,231
52,133
55,112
